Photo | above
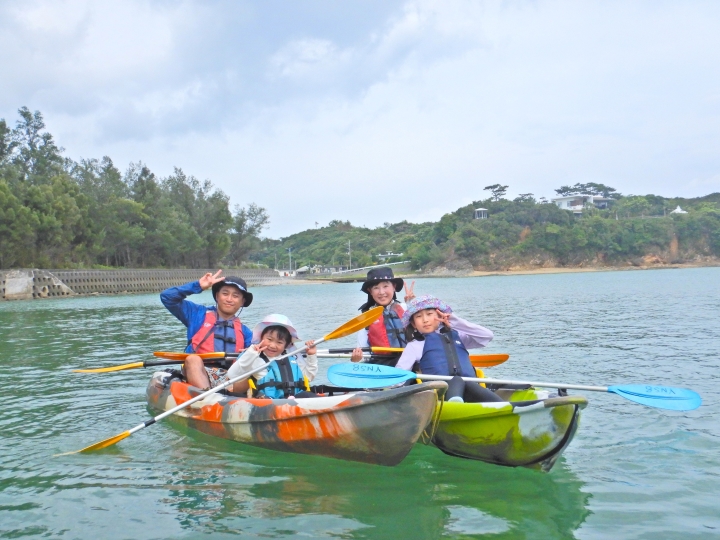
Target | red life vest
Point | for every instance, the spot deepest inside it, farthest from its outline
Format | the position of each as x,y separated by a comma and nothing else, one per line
377,331
204,339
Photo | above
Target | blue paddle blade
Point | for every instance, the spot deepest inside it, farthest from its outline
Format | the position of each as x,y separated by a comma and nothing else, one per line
661,397
360,375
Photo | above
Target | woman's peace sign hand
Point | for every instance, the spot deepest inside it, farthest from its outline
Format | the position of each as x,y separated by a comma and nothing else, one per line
409,291
209,279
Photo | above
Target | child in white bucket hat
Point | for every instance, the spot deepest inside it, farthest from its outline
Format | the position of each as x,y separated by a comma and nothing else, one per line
287,378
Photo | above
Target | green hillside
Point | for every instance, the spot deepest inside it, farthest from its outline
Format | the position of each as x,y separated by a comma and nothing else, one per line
521,232
58,213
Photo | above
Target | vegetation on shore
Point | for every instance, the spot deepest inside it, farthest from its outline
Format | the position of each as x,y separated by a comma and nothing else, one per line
523,232
59,213
56,212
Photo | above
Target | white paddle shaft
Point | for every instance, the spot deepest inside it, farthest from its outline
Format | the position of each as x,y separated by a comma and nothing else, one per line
502,381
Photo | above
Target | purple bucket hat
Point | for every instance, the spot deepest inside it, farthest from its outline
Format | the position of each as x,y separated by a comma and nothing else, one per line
423,302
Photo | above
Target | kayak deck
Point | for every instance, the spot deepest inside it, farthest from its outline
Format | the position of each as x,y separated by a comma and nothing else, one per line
370,427
530,430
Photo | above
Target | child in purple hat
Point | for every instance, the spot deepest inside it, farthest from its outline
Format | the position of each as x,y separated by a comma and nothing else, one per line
439,343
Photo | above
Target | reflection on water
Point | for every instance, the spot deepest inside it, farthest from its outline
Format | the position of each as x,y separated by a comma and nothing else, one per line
235,488
631,472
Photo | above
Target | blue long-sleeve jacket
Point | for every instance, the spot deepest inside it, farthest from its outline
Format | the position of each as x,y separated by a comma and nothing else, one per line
192,315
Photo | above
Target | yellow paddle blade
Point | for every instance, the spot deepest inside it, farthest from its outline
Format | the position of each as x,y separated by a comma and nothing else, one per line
477,360
387,349
487,360
355,324
99,445
134,365
184,355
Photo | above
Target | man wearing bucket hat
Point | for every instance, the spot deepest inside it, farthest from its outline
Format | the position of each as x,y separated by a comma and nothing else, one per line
210,329
272,337
382,287
439,346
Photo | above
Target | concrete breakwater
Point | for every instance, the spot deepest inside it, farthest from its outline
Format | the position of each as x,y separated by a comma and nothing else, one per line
38,284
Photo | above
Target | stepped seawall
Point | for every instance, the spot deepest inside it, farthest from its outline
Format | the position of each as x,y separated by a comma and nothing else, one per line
27,284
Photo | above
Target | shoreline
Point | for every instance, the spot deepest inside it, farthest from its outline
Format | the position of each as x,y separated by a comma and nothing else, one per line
515,272
42,284
562,270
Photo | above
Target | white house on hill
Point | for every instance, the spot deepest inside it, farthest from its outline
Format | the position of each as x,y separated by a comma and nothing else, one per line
576,203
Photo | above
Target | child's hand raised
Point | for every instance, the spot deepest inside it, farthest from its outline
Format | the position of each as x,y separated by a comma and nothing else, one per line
311,348
444,317
262,346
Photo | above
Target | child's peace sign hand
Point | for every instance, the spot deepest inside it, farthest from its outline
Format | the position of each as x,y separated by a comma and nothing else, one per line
444,317
208,280
260,347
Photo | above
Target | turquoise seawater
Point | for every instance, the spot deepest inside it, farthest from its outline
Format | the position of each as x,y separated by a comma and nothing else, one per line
631,472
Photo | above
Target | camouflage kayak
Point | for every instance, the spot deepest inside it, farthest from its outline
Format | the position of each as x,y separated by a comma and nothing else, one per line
530,430
370,427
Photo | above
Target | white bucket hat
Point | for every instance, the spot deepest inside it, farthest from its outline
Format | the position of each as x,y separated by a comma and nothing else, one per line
274,320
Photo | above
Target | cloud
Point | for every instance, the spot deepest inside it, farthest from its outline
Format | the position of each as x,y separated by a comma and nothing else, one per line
378,111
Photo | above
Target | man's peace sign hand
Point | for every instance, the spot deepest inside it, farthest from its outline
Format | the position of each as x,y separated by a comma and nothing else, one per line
208,280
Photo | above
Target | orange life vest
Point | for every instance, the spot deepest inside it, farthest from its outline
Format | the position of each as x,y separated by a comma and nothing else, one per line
378,331
204,339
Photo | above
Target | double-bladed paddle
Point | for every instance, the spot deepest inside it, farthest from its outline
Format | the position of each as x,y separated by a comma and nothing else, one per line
350,327
477,360
229,357
359,375
174,358
146,364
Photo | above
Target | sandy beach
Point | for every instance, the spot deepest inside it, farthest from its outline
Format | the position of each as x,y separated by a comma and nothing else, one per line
559,270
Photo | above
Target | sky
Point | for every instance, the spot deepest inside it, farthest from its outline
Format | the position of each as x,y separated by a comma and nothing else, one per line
381,110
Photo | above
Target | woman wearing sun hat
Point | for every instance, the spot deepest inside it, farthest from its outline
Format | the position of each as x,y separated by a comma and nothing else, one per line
382,287
272,337
439,343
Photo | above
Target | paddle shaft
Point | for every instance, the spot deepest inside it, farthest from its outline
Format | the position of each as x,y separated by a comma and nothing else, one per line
477,360
503,381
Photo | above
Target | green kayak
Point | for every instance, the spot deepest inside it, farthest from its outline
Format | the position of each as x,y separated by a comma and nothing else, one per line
530,430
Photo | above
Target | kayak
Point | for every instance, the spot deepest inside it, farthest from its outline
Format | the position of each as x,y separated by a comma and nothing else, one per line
370,427
530,430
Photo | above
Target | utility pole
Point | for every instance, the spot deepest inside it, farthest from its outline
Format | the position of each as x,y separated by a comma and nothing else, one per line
289,250
349,256
276,260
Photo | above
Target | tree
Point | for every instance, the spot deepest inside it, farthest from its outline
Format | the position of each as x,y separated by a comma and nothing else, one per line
17,230
497,191
33,149
525,197
590,188
632,206
5,147
248,223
